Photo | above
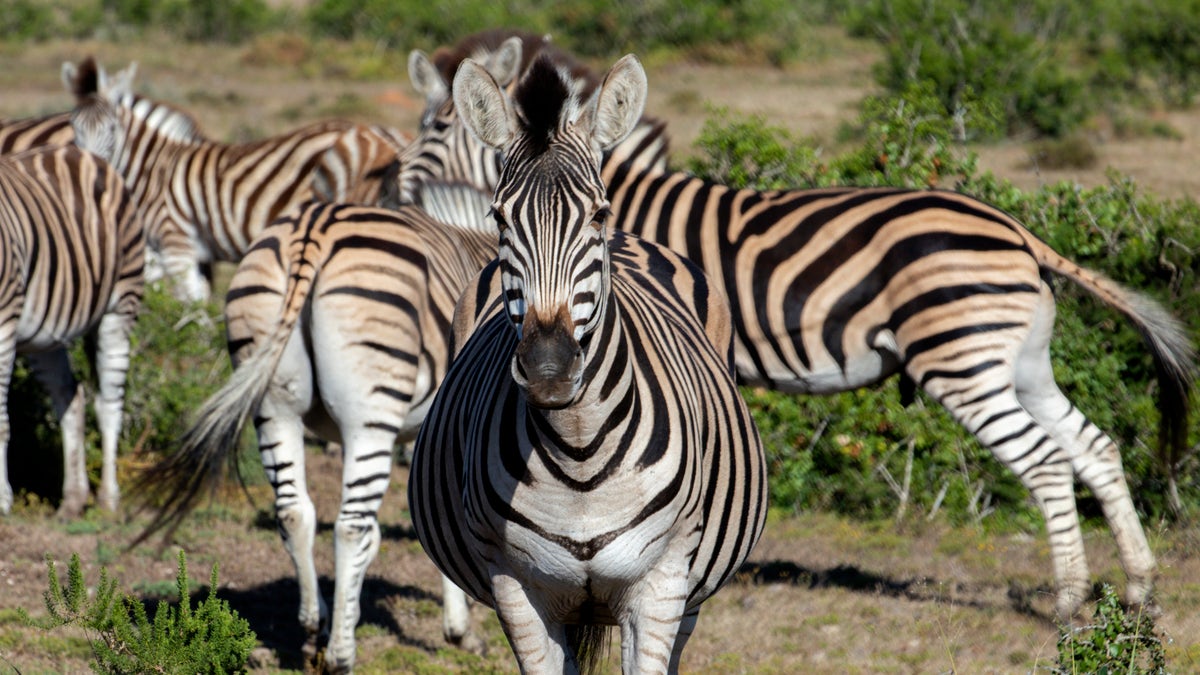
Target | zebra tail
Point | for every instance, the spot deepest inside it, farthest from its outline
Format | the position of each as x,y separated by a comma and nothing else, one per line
1166,336
590,644
174,484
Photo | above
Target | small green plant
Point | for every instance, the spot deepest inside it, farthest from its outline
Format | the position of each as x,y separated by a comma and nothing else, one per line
1115,642
210,638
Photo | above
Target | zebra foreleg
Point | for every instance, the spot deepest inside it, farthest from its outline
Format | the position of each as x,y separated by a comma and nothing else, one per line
53,370
112,363
652,625
539,645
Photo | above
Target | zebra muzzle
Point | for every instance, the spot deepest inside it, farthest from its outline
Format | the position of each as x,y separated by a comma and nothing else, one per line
548,364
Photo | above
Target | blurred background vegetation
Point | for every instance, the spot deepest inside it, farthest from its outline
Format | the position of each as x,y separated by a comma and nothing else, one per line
952,71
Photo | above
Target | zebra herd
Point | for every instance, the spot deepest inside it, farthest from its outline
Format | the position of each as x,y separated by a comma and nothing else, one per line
557,319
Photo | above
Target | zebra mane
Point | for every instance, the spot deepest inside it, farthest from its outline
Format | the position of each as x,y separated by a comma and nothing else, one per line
173,123
86,81
545,94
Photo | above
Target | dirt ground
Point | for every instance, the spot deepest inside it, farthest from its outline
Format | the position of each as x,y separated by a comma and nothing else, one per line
822,594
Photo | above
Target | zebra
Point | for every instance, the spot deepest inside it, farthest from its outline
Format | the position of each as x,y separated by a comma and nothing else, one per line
71,251
33,132
338,320
840,288
588,460
203,201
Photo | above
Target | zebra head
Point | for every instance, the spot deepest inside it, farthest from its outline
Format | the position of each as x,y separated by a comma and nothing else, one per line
444,150
95,120
550,207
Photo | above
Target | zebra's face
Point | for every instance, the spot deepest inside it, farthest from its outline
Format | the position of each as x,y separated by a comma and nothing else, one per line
554,270
550,207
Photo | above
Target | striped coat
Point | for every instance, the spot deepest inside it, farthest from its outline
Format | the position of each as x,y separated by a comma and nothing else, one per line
71,254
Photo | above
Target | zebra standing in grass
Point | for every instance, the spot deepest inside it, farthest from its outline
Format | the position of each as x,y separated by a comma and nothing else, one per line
588,460
71,252
338,320
836,289
204,201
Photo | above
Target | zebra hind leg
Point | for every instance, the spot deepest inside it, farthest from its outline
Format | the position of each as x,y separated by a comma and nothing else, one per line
281,446
986,403
366,473
1095,458
53,371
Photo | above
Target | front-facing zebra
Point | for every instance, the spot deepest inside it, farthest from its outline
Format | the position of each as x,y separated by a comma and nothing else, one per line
71,253
588,460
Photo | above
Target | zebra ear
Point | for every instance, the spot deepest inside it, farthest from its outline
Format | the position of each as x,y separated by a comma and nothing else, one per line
69,71
483,105
618,104
504,64
118,85
426,79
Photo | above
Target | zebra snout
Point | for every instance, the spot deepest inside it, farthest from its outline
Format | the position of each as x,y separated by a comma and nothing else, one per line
548,364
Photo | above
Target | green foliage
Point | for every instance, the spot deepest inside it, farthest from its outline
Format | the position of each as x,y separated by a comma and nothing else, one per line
210,638
1162,40
26,20
215,20
178,358
1117,642
1004,53
763,29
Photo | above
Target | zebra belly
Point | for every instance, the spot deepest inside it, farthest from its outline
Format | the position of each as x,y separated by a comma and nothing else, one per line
824,376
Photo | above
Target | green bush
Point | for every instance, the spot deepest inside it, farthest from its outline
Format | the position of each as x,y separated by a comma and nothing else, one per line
1116,642
1005,53
1162,41
210,638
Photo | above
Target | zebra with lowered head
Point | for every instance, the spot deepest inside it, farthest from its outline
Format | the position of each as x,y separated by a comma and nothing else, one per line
839,288
588,460
204,201
71,255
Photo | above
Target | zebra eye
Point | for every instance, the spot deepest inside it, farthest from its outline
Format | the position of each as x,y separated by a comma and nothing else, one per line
501,223
601,217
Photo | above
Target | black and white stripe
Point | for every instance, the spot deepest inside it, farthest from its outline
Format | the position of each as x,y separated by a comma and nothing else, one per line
71,255
338,319
588,460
